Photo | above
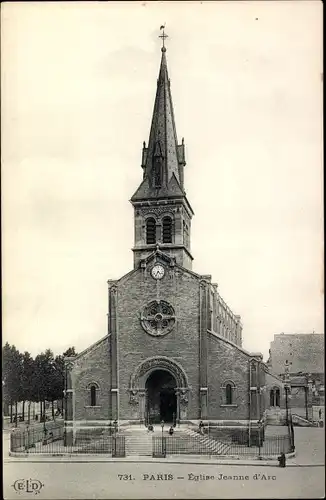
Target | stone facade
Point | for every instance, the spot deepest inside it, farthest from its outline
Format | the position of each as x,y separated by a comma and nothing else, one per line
203,363
174,347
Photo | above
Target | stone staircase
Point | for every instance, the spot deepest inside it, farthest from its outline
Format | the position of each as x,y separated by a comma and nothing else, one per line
213,446
302,422
138,442
275,416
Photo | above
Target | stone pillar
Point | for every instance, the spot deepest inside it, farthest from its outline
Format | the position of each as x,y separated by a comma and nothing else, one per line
178,227
114,352
182,403
203,403
142,406
178,415
204,311
69,403
159,232
238,330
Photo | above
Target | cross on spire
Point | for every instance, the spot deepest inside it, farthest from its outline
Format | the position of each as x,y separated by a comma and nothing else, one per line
163,36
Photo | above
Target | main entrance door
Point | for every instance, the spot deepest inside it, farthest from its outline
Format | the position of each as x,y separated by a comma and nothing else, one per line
161,401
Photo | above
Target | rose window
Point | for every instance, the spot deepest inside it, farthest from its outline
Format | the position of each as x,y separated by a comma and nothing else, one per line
158,318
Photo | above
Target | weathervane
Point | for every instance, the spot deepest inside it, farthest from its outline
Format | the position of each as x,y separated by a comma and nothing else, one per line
163,36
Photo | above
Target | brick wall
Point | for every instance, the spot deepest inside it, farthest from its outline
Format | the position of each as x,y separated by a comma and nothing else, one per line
92,367
226,363
179,288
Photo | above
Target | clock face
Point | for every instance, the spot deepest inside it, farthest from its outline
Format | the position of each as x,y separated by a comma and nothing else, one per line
158,272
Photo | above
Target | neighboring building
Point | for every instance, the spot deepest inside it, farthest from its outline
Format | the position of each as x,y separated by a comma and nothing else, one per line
305,356
174,347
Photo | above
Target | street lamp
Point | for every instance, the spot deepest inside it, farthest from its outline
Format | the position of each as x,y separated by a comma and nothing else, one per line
115,428
287,388
162,425
259,438
115,425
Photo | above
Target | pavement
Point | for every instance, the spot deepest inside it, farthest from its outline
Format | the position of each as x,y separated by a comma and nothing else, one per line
79,478
139,480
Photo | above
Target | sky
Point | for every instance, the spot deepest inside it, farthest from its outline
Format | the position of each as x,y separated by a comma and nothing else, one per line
78,85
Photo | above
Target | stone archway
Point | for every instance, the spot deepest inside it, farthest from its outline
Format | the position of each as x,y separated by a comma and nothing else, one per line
140,383
161,398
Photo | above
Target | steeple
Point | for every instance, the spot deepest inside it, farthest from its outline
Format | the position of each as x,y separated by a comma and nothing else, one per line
162,211
163,159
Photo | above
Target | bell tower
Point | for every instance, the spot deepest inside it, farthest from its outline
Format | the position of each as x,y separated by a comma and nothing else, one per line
162,213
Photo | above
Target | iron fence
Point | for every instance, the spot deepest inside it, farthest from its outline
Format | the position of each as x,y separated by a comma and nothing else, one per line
202,445
57,442
97,441
22,440
159,446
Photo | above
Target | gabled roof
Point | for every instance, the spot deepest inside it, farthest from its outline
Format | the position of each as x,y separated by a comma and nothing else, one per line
152,256
89,348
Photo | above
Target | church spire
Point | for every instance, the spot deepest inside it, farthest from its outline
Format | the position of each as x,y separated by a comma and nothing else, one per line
162,212
163,159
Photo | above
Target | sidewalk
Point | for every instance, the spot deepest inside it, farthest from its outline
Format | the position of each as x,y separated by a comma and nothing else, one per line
291,462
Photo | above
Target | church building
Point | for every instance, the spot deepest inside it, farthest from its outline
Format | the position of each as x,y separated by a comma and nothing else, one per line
173,349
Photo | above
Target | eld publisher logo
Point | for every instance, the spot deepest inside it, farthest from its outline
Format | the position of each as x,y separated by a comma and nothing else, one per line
28,486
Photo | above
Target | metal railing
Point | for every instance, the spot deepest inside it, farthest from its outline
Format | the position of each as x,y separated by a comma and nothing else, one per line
202,445
23,440
99,441
86,441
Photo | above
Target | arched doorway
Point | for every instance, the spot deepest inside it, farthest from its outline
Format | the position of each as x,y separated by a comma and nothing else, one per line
161,403
141,380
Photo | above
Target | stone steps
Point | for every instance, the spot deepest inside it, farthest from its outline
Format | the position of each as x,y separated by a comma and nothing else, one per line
303,422
212,445
138,443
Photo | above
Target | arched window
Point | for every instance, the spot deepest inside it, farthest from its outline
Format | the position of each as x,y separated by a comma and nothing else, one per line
228,394
167,230
271,398
150,231
93,396
274,397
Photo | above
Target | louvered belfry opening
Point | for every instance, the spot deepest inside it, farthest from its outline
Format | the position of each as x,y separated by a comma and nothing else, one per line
150,231
167,230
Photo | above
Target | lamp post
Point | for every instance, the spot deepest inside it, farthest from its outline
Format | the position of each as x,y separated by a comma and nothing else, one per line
310,389
114,450
287,387
115,428
65,402
115,425
259,438
162,425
